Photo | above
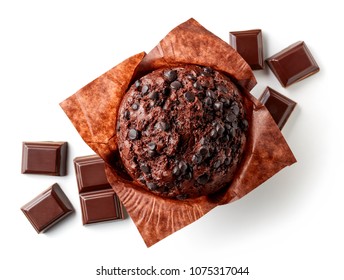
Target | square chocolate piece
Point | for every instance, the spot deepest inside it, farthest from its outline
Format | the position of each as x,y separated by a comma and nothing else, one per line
47,158
279,106
249,44
98,200
48,208
100,206
292,64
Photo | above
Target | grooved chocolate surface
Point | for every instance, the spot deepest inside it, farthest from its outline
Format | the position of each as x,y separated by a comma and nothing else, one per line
47,208
293,64
249,44
279,106
47,158
97,199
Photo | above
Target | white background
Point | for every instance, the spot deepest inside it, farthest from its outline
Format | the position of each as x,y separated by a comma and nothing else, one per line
291,227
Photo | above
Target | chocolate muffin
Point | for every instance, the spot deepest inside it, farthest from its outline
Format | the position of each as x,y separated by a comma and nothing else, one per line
182,131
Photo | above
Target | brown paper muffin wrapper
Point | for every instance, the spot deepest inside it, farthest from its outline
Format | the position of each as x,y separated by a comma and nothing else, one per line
93,112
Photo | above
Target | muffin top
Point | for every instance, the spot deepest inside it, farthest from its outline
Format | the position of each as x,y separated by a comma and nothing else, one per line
181,131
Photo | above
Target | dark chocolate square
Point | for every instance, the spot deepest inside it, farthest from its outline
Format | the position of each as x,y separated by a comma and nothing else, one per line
249,44
99,206
293,64
47,158
279,106
48,208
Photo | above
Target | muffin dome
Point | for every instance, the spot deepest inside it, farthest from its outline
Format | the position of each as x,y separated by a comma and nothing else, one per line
181,131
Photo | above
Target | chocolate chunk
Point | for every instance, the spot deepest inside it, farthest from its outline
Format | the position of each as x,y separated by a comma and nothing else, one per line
135,106
98,200
189,96
144,89
170,75
279,106
133,134
203,179
176,85
48,208
293,64
249,44
46,158
151,146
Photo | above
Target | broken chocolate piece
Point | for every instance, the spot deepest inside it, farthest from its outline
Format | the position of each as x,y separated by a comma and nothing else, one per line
279,106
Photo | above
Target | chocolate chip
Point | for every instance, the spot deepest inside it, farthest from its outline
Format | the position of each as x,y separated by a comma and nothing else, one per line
217,164
203,179
235,109
182,196
191,77
232,132
176,171
218,106
137,83
170,75
213,133
202,141
164,126
210,93
220,129
142,180
144,89
203,151
176,85
153,95
230,117
222,88
151,146
197,85
208,101
196,158
135,106
183,167
126,114
244,124
133,134
152,186
208,70
228,160
144,168
189,96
